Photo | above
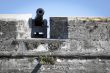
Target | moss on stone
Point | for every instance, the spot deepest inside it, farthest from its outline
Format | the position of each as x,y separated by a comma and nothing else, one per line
54,45
95,19
47,60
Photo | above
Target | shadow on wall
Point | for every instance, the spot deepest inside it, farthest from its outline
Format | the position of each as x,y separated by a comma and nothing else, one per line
58,28
8,29
7,34
37,68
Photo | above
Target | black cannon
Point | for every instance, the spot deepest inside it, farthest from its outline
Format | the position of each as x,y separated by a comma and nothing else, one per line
39,25
39,17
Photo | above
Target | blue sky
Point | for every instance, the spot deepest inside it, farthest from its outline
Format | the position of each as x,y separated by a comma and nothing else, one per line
57,7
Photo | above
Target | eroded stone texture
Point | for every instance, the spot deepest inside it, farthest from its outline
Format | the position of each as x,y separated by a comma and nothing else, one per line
15,25
18,65
23,29
30,65
85,36
92,30
59,27
78,66
56,47
79,45
30,47
8,34
81,28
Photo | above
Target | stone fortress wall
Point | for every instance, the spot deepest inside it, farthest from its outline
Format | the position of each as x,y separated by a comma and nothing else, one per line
76,45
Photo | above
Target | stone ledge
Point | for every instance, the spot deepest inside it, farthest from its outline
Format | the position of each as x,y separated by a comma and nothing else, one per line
30,65
57,47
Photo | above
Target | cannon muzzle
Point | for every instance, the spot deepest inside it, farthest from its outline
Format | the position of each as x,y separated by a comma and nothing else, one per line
39,17
40,12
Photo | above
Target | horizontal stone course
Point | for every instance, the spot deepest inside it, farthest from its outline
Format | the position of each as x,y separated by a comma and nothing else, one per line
65,66
55,47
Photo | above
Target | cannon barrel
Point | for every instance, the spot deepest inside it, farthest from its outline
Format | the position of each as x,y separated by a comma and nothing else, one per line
39,25
39,17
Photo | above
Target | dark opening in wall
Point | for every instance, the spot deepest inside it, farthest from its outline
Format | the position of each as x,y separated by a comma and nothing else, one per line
58,27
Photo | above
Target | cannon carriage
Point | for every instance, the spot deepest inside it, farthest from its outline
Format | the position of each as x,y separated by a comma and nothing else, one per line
39,25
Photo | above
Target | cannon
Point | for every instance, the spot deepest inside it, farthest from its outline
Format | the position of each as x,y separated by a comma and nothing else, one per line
39,25
39,17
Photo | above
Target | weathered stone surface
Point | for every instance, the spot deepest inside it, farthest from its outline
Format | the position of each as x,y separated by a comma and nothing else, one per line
81,28
81,42
18,65
30,65
8,34
64,47
79,45
15,26
79,66
59,27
